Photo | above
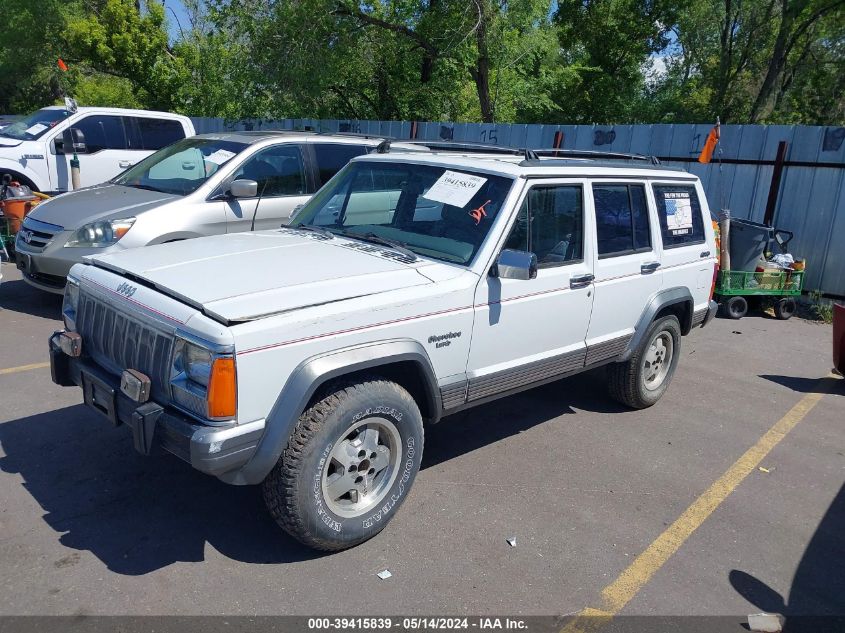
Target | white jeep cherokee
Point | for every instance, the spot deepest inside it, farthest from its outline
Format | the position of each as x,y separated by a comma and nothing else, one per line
307,358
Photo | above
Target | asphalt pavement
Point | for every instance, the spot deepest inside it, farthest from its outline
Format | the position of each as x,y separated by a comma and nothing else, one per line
604,502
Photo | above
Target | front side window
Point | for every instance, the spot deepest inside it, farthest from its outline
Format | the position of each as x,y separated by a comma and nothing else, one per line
621,219
679,212
102,132
434,211
181,168
279,171
550,224
35,125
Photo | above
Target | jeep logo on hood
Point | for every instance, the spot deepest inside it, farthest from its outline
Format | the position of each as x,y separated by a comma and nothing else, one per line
126,290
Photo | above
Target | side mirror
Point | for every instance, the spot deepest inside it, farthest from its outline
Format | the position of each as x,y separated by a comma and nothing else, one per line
73,140
515,265
242,188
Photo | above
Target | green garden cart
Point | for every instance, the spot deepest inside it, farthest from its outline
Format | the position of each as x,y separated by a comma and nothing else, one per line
737,290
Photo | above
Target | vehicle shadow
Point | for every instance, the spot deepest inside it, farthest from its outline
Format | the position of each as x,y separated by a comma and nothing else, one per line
829,384
136,514
18,296
474,428
816,602
139,514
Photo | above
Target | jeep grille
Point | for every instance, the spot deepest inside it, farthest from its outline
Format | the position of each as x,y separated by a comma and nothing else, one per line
116,341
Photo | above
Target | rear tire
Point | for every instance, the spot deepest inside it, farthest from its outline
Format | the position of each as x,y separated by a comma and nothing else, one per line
642,380
348,466
785,308
735,308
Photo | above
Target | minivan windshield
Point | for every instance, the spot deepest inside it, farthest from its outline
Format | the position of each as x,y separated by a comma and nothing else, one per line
181,168
35,125
432,211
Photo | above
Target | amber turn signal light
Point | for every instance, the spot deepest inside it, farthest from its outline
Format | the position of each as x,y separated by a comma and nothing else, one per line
222,389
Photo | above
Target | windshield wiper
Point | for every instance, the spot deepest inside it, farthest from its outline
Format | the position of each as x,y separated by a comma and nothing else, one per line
314,229
377,239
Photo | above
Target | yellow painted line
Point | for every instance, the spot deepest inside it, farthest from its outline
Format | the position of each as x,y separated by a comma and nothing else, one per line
15,370
620,592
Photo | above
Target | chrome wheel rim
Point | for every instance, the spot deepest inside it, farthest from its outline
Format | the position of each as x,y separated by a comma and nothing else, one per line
361,467
658,360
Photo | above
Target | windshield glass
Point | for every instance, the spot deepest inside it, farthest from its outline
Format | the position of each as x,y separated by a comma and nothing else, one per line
181,168
35,125
433,211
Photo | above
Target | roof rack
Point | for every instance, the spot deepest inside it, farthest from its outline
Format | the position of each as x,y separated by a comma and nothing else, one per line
460,146
594,154
355,135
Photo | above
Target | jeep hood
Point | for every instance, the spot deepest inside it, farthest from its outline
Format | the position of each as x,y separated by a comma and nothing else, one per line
246,276
107,201
5,141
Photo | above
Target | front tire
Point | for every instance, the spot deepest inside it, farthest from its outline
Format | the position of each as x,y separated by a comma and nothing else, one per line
642,380
349,465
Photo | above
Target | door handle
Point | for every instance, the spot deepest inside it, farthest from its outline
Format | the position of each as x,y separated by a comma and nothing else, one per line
124,164
650,267
581,281
704,254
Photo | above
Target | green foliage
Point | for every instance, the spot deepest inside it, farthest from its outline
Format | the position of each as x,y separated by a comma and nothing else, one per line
571,61
28,51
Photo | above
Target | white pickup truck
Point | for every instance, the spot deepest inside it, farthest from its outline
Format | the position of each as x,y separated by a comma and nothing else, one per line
107,142
307,359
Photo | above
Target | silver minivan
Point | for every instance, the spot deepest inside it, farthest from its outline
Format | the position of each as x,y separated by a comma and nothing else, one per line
204,185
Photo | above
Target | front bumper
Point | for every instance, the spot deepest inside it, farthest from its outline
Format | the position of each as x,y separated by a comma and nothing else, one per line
47,268
218,451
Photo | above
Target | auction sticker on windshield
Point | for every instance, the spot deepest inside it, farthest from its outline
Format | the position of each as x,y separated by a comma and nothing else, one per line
36,129
454,188
220,156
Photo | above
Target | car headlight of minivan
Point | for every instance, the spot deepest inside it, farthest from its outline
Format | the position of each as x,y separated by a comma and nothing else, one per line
70,303
204,382
101,233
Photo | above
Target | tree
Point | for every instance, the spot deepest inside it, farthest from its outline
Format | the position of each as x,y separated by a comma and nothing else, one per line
796,19
118,39
609,42
29,49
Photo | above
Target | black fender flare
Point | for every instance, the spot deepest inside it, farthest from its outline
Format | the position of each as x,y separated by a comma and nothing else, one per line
660,300
309,376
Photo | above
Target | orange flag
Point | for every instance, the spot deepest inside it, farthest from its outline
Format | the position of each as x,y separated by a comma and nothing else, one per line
709,144
62,65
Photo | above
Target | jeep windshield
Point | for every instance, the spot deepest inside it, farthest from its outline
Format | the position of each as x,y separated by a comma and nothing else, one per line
181,168
438,212
35,125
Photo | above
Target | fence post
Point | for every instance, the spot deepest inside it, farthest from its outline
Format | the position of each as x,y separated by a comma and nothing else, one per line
774,188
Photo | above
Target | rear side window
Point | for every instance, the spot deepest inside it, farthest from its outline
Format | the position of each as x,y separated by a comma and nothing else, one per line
621,220
158,133
102,132
332,157
550,224
679,211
